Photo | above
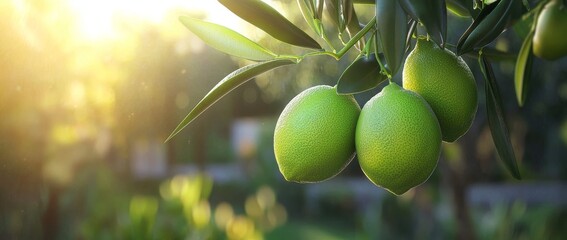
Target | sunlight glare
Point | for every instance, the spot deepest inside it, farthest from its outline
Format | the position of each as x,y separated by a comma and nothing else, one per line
97,19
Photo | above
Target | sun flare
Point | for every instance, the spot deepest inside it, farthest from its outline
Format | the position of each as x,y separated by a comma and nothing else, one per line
98,19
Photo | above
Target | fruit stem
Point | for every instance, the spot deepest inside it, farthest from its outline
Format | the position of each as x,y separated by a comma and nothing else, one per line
356,38
344,50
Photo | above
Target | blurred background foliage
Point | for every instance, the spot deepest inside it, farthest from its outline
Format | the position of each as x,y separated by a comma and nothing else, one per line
90,90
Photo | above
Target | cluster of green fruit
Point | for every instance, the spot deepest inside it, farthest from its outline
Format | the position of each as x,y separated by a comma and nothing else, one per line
397,134
549,40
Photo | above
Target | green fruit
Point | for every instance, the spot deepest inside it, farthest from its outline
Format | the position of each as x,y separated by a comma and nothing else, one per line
550,38
398,139
314,135
446,83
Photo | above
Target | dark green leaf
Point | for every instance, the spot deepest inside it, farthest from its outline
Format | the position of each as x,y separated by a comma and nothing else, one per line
524,27
226,85
332,9
496,121
319,6
493,54
340,12
362,75
364,1
462,8
392,29
523,69
263,16
481,16
353,28
226,40
346,8
412,30
432,14
492,20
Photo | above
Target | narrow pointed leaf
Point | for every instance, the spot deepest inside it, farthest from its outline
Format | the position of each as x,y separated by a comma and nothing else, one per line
523,69
332,10
319,6
481,16
226,40
226,85
495,18
362,75
340,12
348,10
345,13
308,14
392,28
496,121
494,54
411,31
432,14
265,17
462,8
353,28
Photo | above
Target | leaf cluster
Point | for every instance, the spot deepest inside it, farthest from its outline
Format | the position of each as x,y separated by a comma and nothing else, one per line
382,45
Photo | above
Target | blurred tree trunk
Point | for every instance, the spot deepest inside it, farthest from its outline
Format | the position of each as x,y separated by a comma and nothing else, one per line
460,172
50,218
465,227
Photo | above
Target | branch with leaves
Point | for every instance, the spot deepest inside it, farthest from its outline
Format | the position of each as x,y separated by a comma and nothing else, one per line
382,45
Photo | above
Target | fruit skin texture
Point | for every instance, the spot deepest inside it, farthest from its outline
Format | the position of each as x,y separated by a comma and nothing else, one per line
550,39
398,139
446,83
314,135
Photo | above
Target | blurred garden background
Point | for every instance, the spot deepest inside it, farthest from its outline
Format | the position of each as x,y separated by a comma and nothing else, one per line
89,91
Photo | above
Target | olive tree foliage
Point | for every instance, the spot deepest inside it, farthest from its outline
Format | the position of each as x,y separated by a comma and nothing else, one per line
382,44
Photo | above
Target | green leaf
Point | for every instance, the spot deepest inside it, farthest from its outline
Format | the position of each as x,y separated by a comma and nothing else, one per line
461,8
411,31
346,9
362,75
263,16
332,9
481,16
523,69
354,27
319,6
492,21
496,121
226,40
341,12
226,85
364,1
314,22
392,29
494,55
432,14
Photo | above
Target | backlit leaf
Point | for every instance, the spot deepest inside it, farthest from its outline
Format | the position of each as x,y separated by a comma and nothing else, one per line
226,85
462,8
314,22
523,68
263,16
226,40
